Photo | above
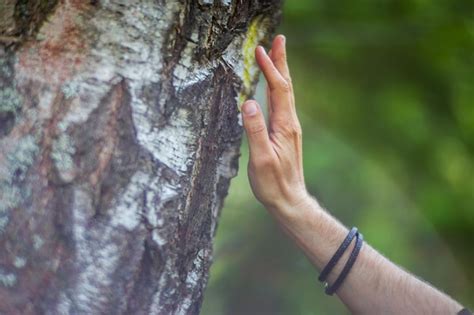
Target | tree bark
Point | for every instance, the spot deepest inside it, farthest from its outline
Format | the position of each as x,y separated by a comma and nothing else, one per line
119,134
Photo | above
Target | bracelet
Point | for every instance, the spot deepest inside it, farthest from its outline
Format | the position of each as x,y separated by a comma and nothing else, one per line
337,255
350,262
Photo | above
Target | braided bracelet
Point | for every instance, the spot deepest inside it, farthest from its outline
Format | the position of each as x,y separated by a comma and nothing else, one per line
337,255
350,262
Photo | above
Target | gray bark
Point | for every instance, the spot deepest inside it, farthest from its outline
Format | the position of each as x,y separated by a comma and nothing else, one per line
119,134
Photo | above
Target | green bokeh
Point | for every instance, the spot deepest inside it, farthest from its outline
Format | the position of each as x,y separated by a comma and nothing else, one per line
385,94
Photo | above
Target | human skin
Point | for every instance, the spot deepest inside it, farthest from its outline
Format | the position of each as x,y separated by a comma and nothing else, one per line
374,285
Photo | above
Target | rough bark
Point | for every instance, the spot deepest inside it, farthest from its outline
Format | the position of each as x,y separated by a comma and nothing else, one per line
119,134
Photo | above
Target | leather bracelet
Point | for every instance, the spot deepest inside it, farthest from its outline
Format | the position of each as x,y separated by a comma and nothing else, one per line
350,262
337,255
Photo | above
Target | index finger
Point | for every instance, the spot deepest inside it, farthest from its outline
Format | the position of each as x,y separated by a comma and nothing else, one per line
278,56
280,91
272,75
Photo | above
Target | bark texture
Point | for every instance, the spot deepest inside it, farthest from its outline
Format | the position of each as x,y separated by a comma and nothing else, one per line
119,134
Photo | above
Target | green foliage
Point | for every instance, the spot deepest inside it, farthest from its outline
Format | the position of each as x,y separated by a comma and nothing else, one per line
385,93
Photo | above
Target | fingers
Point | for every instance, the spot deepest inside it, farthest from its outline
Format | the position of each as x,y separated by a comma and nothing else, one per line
276,72
278,56
267,90
275,80
256,129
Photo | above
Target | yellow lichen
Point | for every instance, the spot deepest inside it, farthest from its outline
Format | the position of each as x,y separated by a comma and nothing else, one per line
255,34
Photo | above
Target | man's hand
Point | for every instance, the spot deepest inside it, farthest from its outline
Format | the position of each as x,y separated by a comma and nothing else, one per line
275,166
375,285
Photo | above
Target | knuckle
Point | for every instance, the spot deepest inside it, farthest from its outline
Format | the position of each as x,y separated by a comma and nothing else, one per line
284,86
265,161
291,130
281,85
297,130
256,129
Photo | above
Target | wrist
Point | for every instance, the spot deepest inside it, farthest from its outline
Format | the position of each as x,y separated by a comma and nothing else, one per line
294,211
313,229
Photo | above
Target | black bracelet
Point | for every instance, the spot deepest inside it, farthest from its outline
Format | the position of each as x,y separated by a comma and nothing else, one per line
350,262
337,255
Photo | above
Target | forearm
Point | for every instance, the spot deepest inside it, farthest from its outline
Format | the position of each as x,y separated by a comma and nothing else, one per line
374,285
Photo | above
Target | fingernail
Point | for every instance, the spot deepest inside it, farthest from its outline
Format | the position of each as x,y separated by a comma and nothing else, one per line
262,49
283,38
249,108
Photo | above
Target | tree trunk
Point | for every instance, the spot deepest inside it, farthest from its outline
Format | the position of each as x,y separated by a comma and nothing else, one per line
119,134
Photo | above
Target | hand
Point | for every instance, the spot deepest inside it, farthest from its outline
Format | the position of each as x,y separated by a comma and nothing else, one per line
275,167
375,285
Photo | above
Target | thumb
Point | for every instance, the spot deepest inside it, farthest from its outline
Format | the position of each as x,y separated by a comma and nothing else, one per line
255,128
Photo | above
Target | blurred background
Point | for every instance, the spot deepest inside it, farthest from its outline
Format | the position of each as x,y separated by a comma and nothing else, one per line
385,95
